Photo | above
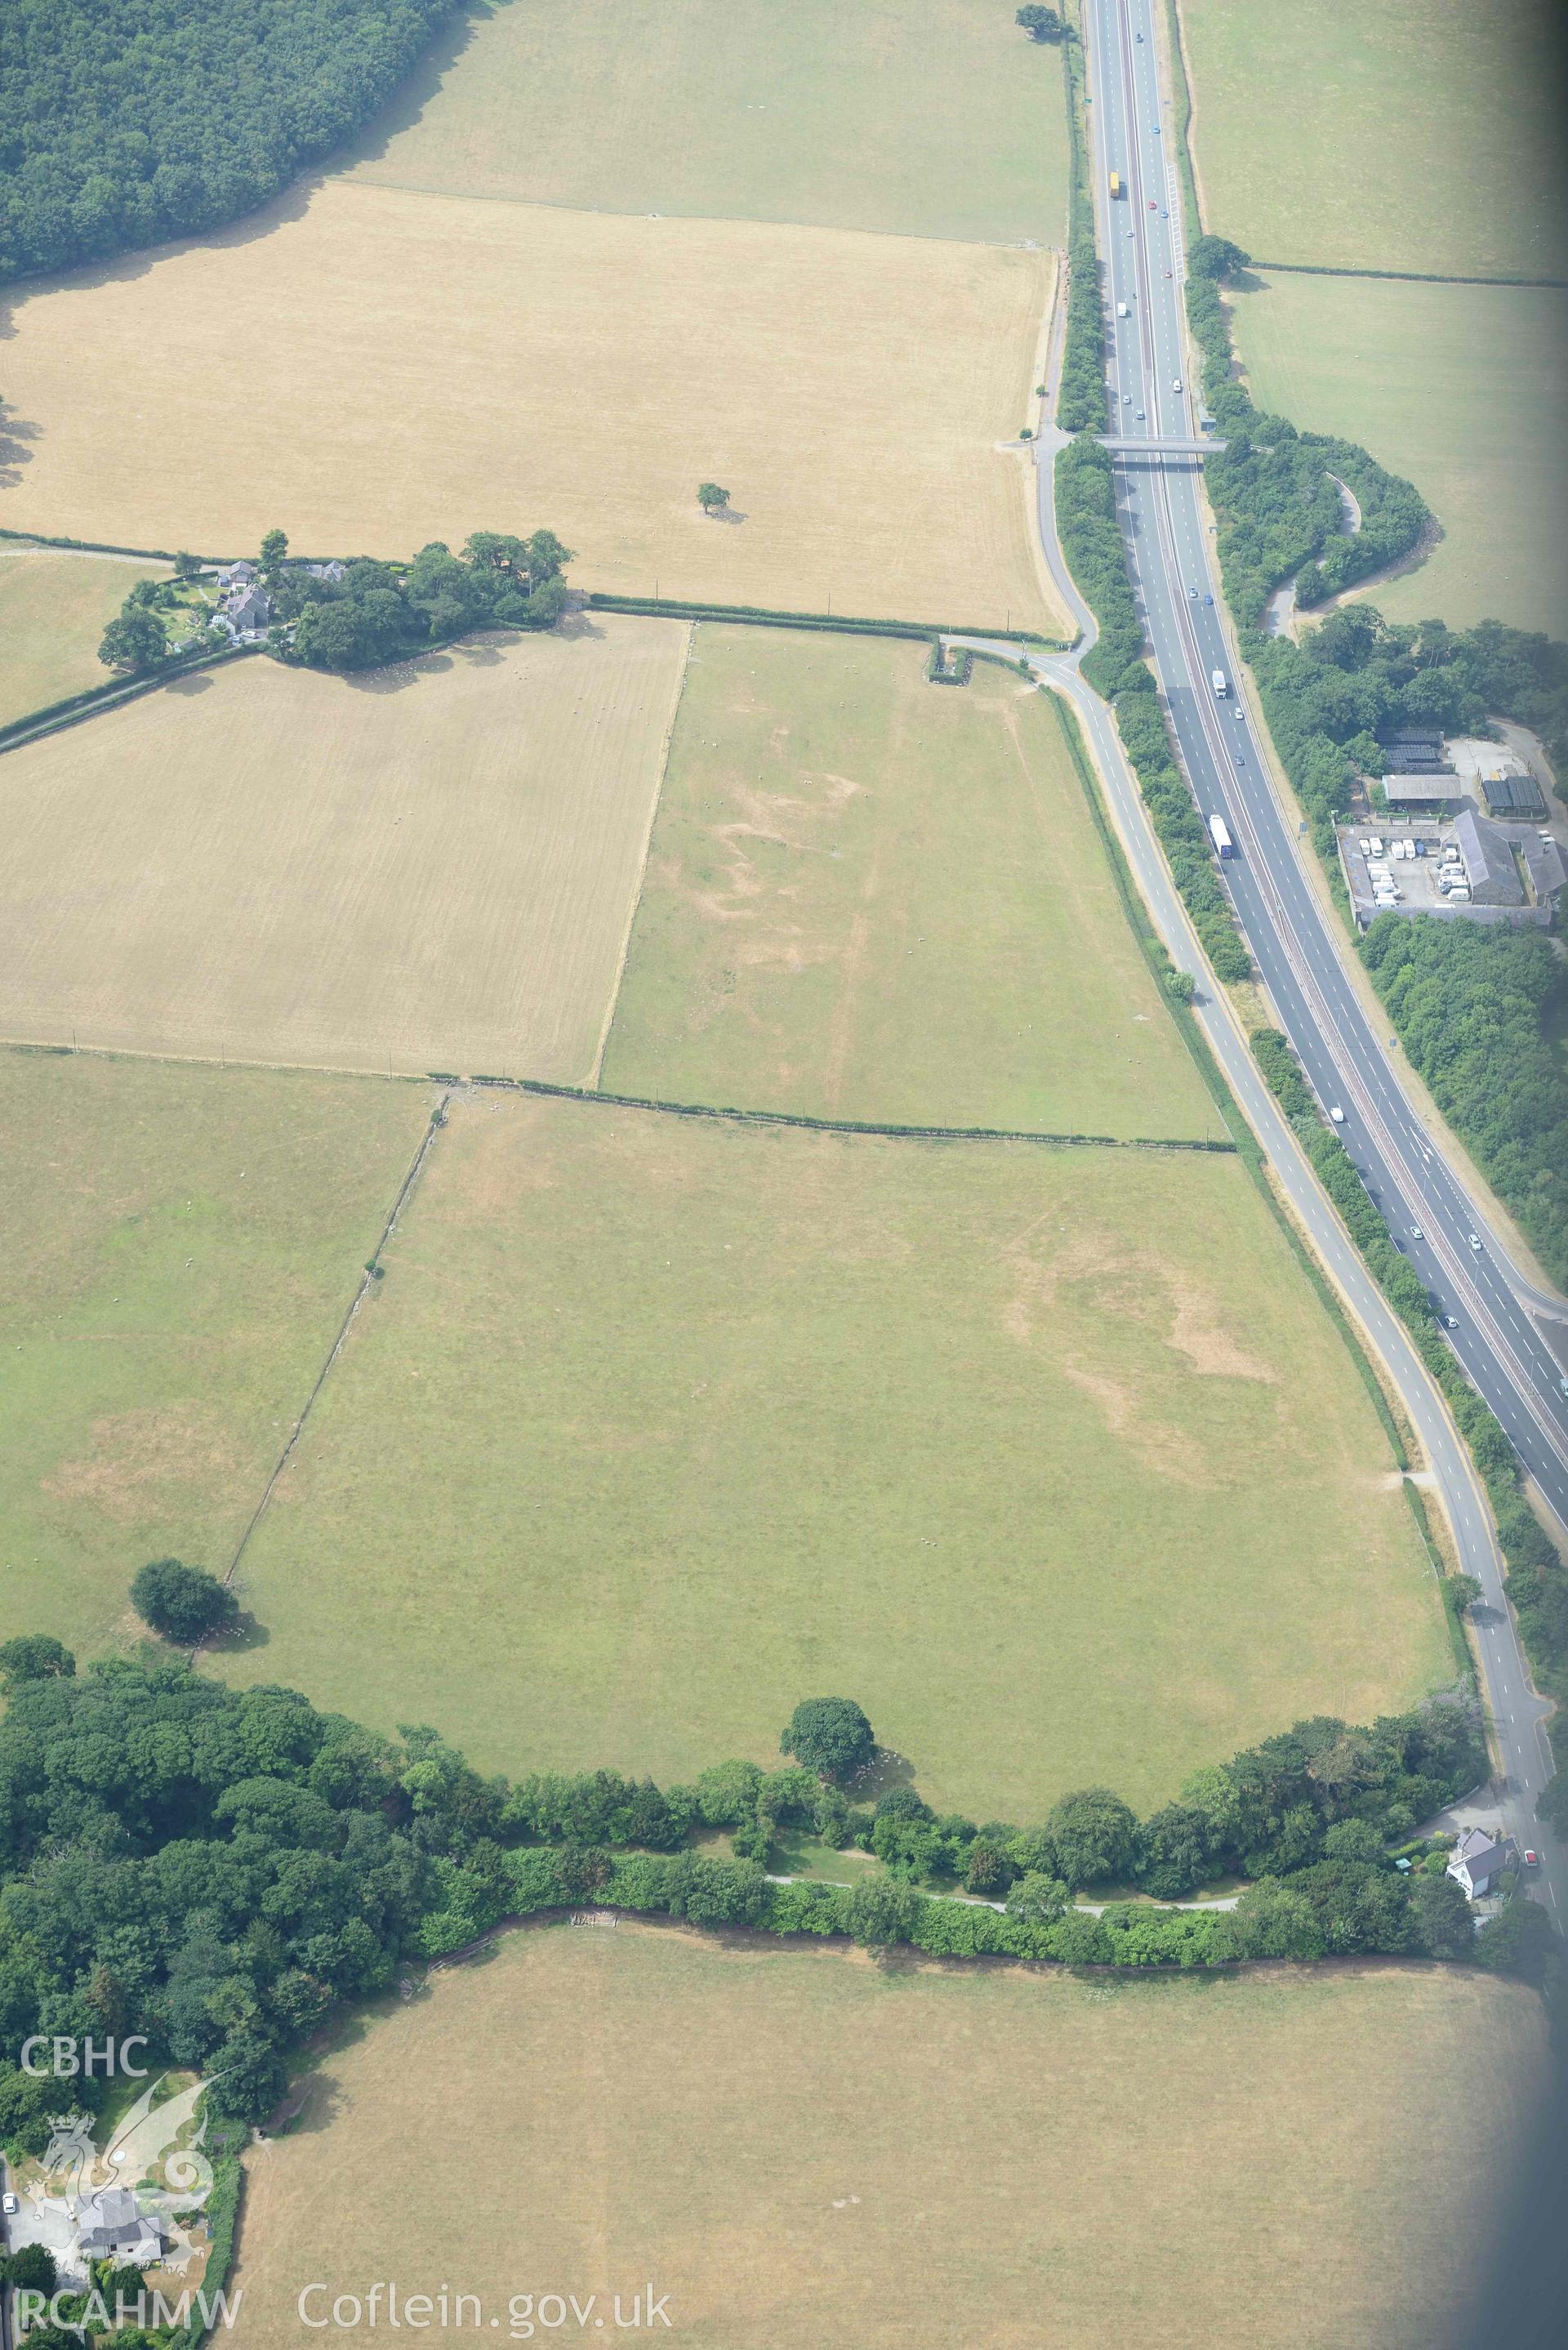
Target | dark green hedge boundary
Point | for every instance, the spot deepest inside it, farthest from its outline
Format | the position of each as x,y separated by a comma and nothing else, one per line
101,546
1537,1577
1406,276
110,695
1244,1141
830,1125
223,2224
682,608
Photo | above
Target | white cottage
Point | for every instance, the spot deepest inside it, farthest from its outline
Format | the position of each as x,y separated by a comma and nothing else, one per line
1480,1860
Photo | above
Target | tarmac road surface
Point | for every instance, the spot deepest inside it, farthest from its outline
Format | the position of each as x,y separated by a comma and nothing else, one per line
1349,1060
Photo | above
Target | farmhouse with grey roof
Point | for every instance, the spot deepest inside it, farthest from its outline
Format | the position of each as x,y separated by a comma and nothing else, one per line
1479,1860
109,2222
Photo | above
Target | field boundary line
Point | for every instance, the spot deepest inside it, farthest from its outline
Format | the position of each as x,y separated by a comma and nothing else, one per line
1402,277
655,804
763,616
730,1116
368,1276
35,725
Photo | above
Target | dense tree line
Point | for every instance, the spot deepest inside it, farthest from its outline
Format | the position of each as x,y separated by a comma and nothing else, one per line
1279,512
1080,388
1092,541
1471,1004
124,122
380,612
219,1868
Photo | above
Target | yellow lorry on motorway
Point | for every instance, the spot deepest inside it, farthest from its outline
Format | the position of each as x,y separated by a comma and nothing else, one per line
1115,183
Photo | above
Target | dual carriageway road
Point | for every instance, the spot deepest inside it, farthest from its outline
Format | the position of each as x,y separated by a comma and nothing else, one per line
1494,1315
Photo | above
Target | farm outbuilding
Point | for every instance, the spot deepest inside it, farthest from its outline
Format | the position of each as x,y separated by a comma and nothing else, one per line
1513,795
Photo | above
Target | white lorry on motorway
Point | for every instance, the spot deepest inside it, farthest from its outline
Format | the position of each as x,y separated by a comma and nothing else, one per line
1219,833
1217,680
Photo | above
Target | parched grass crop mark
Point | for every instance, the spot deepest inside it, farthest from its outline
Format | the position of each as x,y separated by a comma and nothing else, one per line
367,1278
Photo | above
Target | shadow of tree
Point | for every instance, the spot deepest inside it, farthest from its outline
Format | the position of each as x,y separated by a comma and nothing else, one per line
406,107
16,432
246,1634
886,1769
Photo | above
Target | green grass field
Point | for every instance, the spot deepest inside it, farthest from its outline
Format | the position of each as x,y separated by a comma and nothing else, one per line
657,1425
177,1247
1456,387
918,118
802,2148
868,897
1419,135
53,610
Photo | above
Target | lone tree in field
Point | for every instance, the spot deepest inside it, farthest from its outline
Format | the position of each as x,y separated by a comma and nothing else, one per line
273,547
829,1735
1041,24
712,498
135,641
184,1602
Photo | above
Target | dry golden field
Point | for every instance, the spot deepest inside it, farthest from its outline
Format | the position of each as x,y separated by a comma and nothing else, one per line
54,608
372,369
799,2147
433,865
